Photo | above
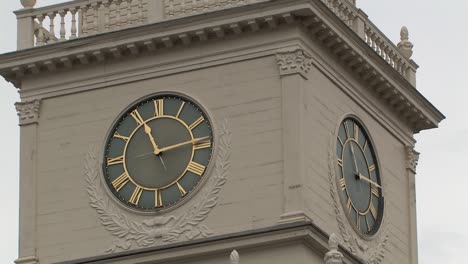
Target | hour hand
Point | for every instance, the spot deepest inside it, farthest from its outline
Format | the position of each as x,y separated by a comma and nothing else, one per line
153,142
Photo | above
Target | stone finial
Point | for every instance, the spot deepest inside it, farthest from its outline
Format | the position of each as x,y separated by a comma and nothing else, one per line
333,256
405,46
28,3
294,62
28,111
234,257
412,158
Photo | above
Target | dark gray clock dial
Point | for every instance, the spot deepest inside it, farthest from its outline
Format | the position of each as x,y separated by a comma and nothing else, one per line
158,152
359,177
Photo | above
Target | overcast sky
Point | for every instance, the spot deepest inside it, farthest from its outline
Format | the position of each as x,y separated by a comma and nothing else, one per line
438,31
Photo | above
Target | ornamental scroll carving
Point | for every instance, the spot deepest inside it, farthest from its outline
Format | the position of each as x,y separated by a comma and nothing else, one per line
412,158
137,233
294,62
28,111
370,253
333,256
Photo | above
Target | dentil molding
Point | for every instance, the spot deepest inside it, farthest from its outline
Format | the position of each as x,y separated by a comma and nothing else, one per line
294,62
28,112
130,233
371,253
412,158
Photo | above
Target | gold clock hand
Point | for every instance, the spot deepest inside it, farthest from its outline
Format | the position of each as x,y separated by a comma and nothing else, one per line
153,142
361,177
195,140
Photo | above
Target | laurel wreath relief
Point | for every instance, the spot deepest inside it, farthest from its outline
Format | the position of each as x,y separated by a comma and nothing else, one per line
131,234
373,255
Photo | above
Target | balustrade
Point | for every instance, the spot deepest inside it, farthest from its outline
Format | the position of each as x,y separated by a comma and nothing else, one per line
79,18
82,18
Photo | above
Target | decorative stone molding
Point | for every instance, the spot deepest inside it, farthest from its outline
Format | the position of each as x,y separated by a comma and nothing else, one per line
333,256
412,158
405,46
234,257
294,62
27,260
28,112
169,228
373,252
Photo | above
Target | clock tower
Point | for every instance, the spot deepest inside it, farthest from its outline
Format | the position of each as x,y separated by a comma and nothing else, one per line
175,131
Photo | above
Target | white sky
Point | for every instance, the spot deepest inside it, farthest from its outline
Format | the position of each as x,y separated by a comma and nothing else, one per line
438,31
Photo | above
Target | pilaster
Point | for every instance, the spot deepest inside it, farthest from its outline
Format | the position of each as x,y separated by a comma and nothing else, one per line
28,113
293,67
412,157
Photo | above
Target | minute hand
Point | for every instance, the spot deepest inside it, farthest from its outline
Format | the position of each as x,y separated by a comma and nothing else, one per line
195,140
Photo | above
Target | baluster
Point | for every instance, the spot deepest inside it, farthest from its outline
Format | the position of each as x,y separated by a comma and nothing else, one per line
368,34
84,21
391,54
63,32
106,5
129,12
378,41
52,27
140,11
40,32
73,25
95,7
383,48
397,63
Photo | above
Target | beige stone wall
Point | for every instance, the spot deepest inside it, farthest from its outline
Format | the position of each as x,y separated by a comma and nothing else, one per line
326,102
246,93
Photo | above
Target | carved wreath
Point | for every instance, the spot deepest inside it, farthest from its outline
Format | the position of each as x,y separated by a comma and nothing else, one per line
355,245
132,234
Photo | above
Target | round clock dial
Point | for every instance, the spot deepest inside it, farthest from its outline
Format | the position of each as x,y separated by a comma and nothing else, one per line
158,152
359,177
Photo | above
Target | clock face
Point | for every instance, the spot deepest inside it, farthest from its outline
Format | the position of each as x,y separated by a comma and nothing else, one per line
158,152
359,177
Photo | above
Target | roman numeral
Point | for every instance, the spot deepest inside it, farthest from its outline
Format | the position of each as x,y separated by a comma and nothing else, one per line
340,163
372,167
374,191
120,181
117,135
356,132
181,189
348,204
158,107
339,140
157,199
196,168
115,161
358,222
365,146
367,224
197,122
345,124
138,119
343,184
180,109
202,144
136,195
373,211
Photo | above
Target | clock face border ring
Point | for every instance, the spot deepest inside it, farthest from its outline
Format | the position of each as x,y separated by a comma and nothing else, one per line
208,171
337,180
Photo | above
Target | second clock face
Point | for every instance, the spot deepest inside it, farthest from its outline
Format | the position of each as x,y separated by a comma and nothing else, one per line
359,177
158,152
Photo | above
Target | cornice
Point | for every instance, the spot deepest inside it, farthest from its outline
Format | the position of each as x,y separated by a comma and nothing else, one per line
321,23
